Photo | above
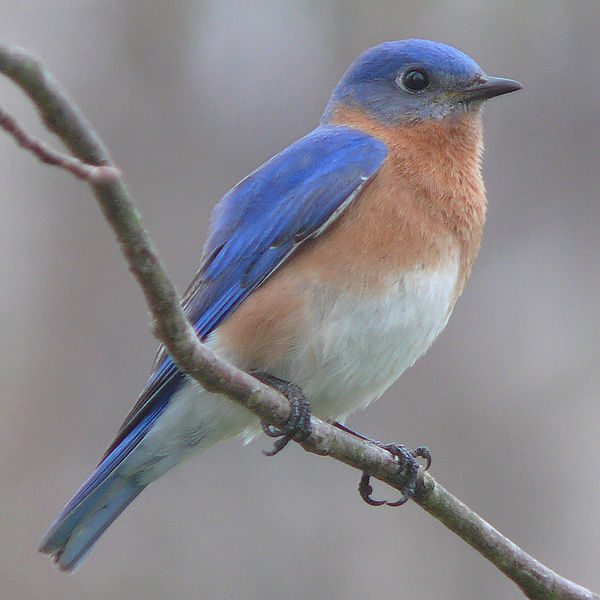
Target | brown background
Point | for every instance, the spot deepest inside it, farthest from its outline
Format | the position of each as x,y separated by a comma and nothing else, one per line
191,96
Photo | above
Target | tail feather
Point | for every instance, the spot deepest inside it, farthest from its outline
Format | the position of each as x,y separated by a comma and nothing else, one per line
79,526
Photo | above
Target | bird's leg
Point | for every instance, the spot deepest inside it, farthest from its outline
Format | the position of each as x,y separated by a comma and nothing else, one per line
408,468
297,427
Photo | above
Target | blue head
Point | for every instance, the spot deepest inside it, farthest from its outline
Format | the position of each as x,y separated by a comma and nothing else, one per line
415,80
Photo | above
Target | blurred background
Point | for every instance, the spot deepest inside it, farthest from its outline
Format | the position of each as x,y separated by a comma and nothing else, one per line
190,97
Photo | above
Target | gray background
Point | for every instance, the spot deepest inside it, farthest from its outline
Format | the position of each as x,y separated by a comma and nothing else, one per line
191,96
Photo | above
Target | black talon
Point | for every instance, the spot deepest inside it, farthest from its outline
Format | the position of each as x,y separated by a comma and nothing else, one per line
423,452
297,427
408,469
365,490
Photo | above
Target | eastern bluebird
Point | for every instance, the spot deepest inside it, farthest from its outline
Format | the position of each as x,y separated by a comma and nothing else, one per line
333,266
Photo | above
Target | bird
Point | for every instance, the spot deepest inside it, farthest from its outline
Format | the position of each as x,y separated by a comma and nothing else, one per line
332,267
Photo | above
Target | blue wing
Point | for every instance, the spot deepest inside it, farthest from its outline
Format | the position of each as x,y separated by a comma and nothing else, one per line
262,220
255,227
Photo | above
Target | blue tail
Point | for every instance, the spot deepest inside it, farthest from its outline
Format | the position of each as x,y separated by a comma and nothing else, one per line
99,501
86,517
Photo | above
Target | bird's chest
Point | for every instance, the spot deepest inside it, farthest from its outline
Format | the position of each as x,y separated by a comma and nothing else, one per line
357,343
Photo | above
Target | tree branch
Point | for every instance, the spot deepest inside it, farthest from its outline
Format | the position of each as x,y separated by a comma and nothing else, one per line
91,161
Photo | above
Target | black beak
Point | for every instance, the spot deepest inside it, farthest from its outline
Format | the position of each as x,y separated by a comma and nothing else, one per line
491,87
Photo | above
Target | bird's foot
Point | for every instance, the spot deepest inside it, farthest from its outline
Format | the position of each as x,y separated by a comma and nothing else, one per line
298,426
408,468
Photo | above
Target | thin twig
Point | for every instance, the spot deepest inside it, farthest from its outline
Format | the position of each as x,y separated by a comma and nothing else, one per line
81,170
172,328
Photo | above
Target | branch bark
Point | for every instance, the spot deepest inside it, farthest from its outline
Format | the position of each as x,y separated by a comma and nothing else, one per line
91,161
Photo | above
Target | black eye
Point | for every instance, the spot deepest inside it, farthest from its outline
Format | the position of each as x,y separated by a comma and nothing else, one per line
414,80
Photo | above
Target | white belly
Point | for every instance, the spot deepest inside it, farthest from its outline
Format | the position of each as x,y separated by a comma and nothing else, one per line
362,345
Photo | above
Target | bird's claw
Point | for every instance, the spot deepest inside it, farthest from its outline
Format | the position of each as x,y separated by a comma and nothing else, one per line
407,472
365,489
298,426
